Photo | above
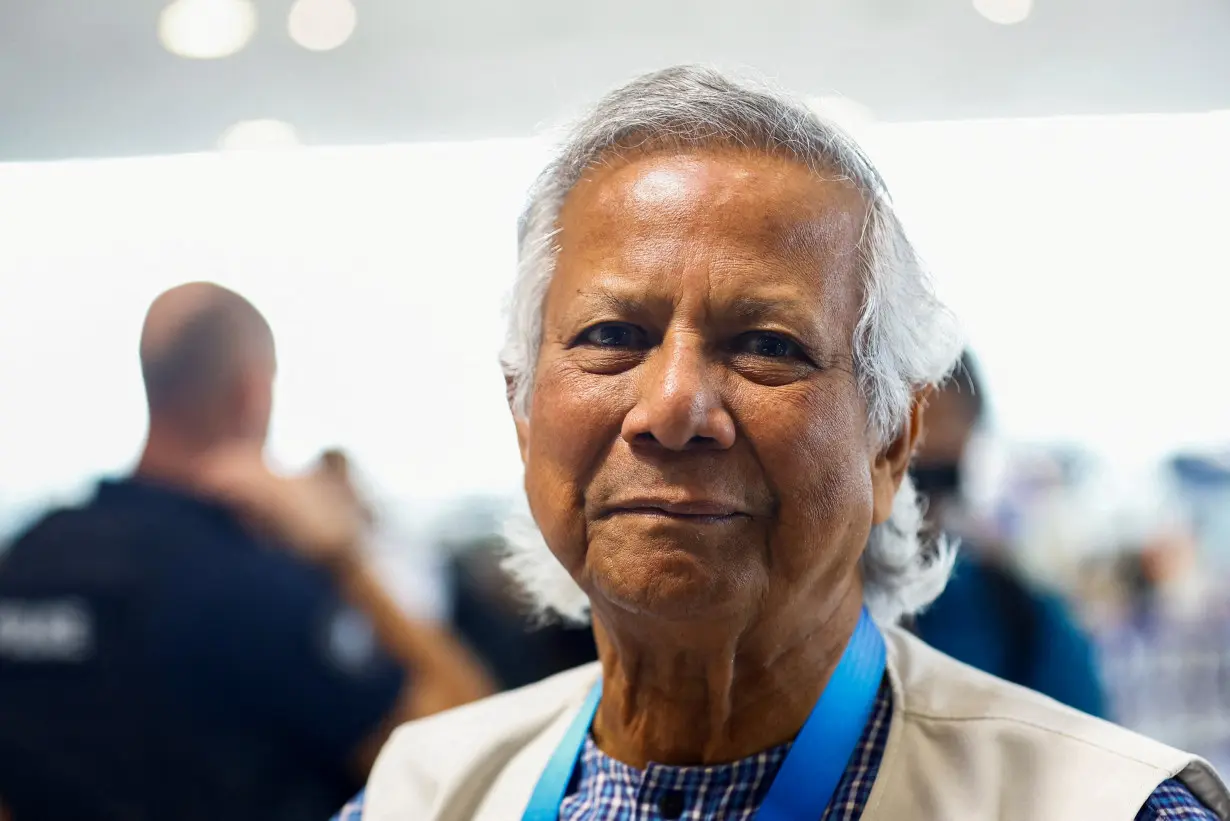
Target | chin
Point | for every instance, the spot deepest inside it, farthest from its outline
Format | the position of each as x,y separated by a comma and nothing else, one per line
670,585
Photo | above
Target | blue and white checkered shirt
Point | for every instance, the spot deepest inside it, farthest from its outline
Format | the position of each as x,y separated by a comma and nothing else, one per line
606,790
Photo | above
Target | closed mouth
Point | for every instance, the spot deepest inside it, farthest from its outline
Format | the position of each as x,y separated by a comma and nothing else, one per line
692,511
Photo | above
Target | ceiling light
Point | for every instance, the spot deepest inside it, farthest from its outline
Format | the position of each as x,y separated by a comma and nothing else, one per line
258,135
206,29
321,25
1004,12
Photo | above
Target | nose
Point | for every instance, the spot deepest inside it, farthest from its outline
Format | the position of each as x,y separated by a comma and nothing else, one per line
680,405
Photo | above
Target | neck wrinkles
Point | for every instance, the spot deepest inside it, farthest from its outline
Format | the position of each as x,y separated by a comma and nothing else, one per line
687,695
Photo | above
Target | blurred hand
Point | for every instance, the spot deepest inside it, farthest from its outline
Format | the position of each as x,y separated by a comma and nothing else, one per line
313,513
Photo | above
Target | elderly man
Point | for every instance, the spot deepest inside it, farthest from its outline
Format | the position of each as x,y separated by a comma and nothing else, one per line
720,346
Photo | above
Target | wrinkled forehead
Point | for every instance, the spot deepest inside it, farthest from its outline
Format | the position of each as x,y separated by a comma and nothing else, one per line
770,220
750,192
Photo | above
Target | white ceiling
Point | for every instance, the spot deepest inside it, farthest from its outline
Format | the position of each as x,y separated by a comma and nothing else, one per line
89,78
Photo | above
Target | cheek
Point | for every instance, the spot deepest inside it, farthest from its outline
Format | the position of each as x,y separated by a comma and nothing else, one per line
574,416
574,419
813,450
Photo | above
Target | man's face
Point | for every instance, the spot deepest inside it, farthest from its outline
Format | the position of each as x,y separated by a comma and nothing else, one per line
697,444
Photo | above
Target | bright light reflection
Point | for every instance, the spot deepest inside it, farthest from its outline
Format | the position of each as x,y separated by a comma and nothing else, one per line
321,25
206,29
1004,12
258,135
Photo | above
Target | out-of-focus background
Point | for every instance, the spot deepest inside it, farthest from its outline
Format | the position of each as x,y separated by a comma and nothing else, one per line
356,168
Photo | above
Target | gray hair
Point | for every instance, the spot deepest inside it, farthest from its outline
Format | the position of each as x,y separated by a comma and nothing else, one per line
905,338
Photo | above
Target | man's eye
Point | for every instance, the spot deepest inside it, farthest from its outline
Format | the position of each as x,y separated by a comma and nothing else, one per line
613,335
773,346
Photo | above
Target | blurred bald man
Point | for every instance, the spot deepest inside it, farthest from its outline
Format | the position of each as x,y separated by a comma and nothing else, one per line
208,362
203,639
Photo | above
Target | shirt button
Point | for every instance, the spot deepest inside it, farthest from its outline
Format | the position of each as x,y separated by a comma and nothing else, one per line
671,805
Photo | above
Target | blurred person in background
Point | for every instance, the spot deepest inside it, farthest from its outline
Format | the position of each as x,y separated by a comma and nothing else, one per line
1167,656
491,614
187,644
989,615
720,344
414,572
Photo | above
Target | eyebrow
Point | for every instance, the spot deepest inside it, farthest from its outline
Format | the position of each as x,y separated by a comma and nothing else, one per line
754,309
613,302
747,310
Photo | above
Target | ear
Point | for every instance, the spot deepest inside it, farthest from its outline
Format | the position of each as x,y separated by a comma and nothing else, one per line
893,461
522,424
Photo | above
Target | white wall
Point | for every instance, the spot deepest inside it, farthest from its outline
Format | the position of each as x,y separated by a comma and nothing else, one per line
1089,261
1087,258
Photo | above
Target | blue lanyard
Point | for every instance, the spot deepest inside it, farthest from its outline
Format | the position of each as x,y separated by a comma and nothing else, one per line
808,777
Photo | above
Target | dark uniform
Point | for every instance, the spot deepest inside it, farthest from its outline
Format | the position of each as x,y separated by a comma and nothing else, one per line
158,662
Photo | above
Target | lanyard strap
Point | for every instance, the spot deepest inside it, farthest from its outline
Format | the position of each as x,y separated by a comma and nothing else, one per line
808,777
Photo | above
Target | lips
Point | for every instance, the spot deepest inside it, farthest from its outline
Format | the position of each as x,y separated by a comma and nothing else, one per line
701,509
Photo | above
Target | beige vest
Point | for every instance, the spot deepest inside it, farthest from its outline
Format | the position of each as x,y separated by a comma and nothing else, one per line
961,745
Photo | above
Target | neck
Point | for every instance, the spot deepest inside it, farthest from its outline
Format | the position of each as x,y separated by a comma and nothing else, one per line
679,696
171,458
